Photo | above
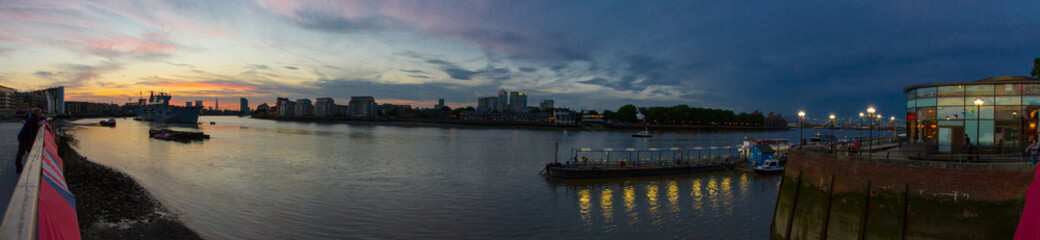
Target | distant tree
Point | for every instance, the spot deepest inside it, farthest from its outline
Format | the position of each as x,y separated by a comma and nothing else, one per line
535,110
592,112
1036,68
627,113
610,115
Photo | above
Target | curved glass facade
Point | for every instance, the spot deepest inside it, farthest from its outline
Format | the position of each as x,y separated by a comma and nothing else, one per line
943,115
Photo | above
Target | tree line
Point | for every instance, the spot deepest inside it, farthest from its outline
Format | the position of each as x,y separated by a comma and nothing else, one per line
686,115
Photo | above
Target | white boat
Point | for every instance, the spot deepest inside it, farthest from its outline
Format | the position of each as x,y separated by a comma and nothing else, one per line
642,134
770,165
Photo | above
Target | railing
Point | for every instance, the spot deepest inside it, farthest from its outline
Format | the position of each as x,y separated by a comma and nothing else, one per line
896,149
20,219
632,157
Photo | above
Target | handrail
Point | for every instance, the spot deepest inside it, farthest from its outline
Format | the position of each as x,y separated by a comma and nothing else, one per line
20,219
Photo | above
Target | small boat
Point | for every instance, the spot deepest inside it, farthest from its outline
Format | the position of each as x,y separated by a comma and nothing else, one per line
212,123
822,137
110,123
171,135
645,133
770,165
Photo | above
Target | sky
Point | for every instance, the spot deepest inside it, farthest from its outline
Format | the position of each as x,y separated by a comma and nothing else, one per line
772,56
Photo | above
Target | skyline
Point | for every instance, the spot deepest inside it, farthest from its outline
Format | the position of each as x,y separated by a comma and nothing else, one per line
595,55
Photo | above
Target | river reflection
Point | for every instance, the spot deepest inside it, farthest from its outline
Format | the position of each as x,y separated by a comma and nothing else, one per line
673,201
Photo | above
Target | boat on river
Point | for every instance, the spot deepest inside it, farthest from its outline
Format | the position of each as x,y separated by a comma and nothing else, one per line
159,109
641,162
171,135
110,123
768,166
644,133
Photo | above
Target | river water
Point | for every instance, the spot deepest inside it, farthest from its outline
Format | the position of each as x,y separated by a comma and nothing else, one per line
265,179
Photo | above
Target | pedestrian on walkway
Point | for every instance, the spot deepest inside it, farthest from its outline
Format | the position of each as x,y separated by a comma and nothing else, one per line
27,136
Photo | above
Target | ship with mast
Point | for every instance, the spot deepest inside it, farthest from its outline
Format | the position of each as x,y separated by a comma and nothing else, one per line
158,109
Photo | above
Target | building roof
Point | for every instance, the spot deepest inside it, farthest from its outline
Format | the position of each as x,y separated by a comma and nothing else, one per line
992,80
765,148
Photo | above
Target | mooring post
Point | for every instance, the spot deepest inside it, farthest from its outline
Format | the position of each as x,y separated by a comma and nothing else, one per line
906,208
790,221
827,214
866,212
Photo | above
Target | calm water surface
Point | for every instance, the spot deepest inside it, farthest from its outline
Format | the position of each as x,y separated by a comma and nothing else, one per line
263,179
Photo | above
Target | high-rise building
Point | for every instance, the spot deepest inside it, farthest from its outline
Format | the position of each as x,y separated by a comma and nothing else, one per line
303,108
517,101
362,107
546,105
503,101
324,107
198,103
440,104
244,108
487,104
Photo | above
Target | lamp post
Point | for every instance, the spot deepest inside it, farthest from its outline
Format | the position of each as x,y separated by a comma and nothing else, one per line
870,129
879,125
978,120
861,124
801,117
832,126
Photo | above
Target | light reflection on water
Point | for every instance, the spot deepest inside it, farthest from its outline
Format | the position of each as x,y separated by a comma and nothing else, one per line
260,179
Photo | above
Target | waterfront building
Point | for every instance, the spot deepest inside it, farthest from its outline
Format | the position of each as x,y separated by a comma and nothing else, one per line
187,104
517,101
8,102
284,107
304,107
546,104
362,107
487,104
503,101
51,100
940,115
89,107
565,117
324,107
244,107
198,103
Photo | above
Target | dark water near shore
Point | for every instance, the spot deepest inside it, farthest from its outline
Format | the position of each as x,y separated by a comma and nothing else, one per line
262,179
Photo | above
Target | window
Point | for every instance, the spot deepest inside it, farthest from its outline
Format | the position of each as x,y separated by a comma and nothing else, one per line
1032,89
911,95
979,90
926,113
1008,112
951,91
951,112
926,102
928,92
1008,100
951,101
1009,89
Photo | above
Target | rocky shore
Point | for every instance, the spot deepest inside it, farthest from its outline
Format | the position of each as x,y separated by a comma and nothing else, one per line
111,205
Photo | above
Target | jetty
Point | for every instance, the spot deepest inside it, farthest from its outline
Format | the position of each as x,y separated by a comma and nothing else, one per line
642,162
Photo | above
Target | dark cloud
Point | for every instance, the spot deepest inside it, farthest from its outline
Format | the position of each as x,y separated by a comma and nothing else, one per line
329,22
527,69
412,71
76,75
418,76
460,74
291,67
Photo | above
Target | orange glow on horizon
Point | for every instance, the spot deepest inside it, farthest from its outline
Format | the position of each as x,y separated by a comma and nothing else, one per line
206,85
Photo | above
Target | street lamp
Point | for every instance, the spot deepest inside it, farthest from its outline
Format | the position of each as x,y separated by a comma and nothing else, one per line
832,125
861,124
870,129
801,116
978,120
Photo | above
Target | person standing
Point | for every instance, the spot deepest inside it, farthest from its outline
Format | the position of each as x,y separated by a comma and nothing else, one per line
27,136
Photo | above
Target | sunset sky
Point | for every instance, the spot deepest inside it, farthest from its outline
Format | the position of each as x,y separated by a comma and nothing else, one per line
782,56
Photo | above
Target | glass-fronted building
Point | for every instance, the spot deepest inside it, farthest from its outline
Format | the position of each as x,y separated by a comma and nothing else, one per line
941,115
